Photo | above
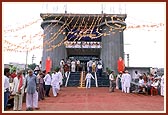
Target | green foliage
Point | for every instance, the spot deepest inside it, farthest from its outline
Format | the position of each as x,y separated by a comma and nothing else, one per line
32,66
108,70
115,76
56,68
12,68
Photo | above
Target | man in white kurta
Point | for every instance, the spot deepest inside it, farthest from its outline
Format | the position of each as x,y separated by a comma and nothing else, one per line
122,83
55,83
127,81
47,80
136,77
73,66
162,85
117,87
60,79
62,63
18,91
90,65
88,79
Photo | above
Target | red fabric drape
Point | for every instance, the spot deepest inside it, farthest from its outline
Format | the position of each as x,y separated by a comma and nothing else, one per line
48,65
20,83
121,65
13,75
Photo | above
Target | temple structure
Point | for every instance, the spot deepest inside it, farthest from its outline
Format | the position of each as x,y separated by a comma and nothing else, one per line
83,37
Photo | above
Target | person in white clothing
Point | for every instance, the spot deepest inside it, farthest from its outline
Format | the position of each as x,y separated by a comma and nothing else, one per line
53,73
73,66
136,77
62,63
88,79
87,64
60,78
111,78
47,80
117,80
6,86
141,83
162,85
127,81
122,83
99,69
90,65
55,83
18,91
77,65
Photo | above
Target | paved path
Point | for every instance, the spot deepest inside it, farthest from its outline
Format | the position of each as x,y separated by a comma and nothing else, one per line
99,99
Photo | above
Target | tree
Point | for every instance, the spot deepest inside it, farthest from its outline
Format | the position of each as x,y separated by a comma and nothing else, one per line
32,66
12,68
108,71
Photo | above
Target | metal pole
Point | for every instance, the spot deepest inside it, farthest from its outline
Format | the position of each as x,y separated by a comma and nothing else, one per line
128,60
26,61
96,80
102,8
65,8
33,57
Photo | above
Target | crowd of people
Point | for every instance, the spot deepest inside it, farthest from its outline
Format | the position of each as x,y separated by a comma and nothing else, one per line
74,65
35,85
151,83
145,82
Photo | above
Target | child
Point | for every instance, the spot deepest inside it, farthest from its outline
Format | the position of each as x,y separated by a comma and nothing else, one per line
88,79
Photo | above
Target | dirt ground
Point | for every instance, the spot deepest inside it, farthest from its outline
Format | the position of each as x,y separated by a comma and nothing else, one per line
99,99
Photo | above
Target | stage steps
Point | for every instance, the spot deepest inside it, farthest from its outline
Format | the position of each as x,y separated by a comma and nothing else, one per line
75,80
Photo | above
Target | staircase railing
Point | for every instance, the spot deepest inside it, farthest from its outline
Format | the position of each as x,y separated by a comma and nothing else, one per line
67,78
82,80
96,79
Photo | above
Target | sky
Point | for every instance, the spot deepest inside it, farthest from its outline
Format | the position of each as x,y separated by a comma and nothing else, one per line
146,46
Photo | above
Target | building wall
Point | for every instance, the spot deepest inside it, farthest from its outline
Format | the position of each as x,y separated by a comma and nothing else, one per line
112,48
58,53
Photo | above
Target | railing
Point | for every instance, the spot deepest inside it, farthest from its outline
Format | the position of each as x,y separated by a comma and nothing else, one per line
82,80
96,79
67,78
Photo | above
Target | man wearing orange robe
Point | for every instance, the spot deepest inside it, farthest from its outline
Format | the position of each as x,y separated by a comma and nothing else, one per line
121,65
48,64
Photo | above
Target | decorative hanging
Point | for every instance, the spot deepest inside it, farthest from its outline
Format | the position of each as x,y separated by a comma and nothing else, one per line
82,31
